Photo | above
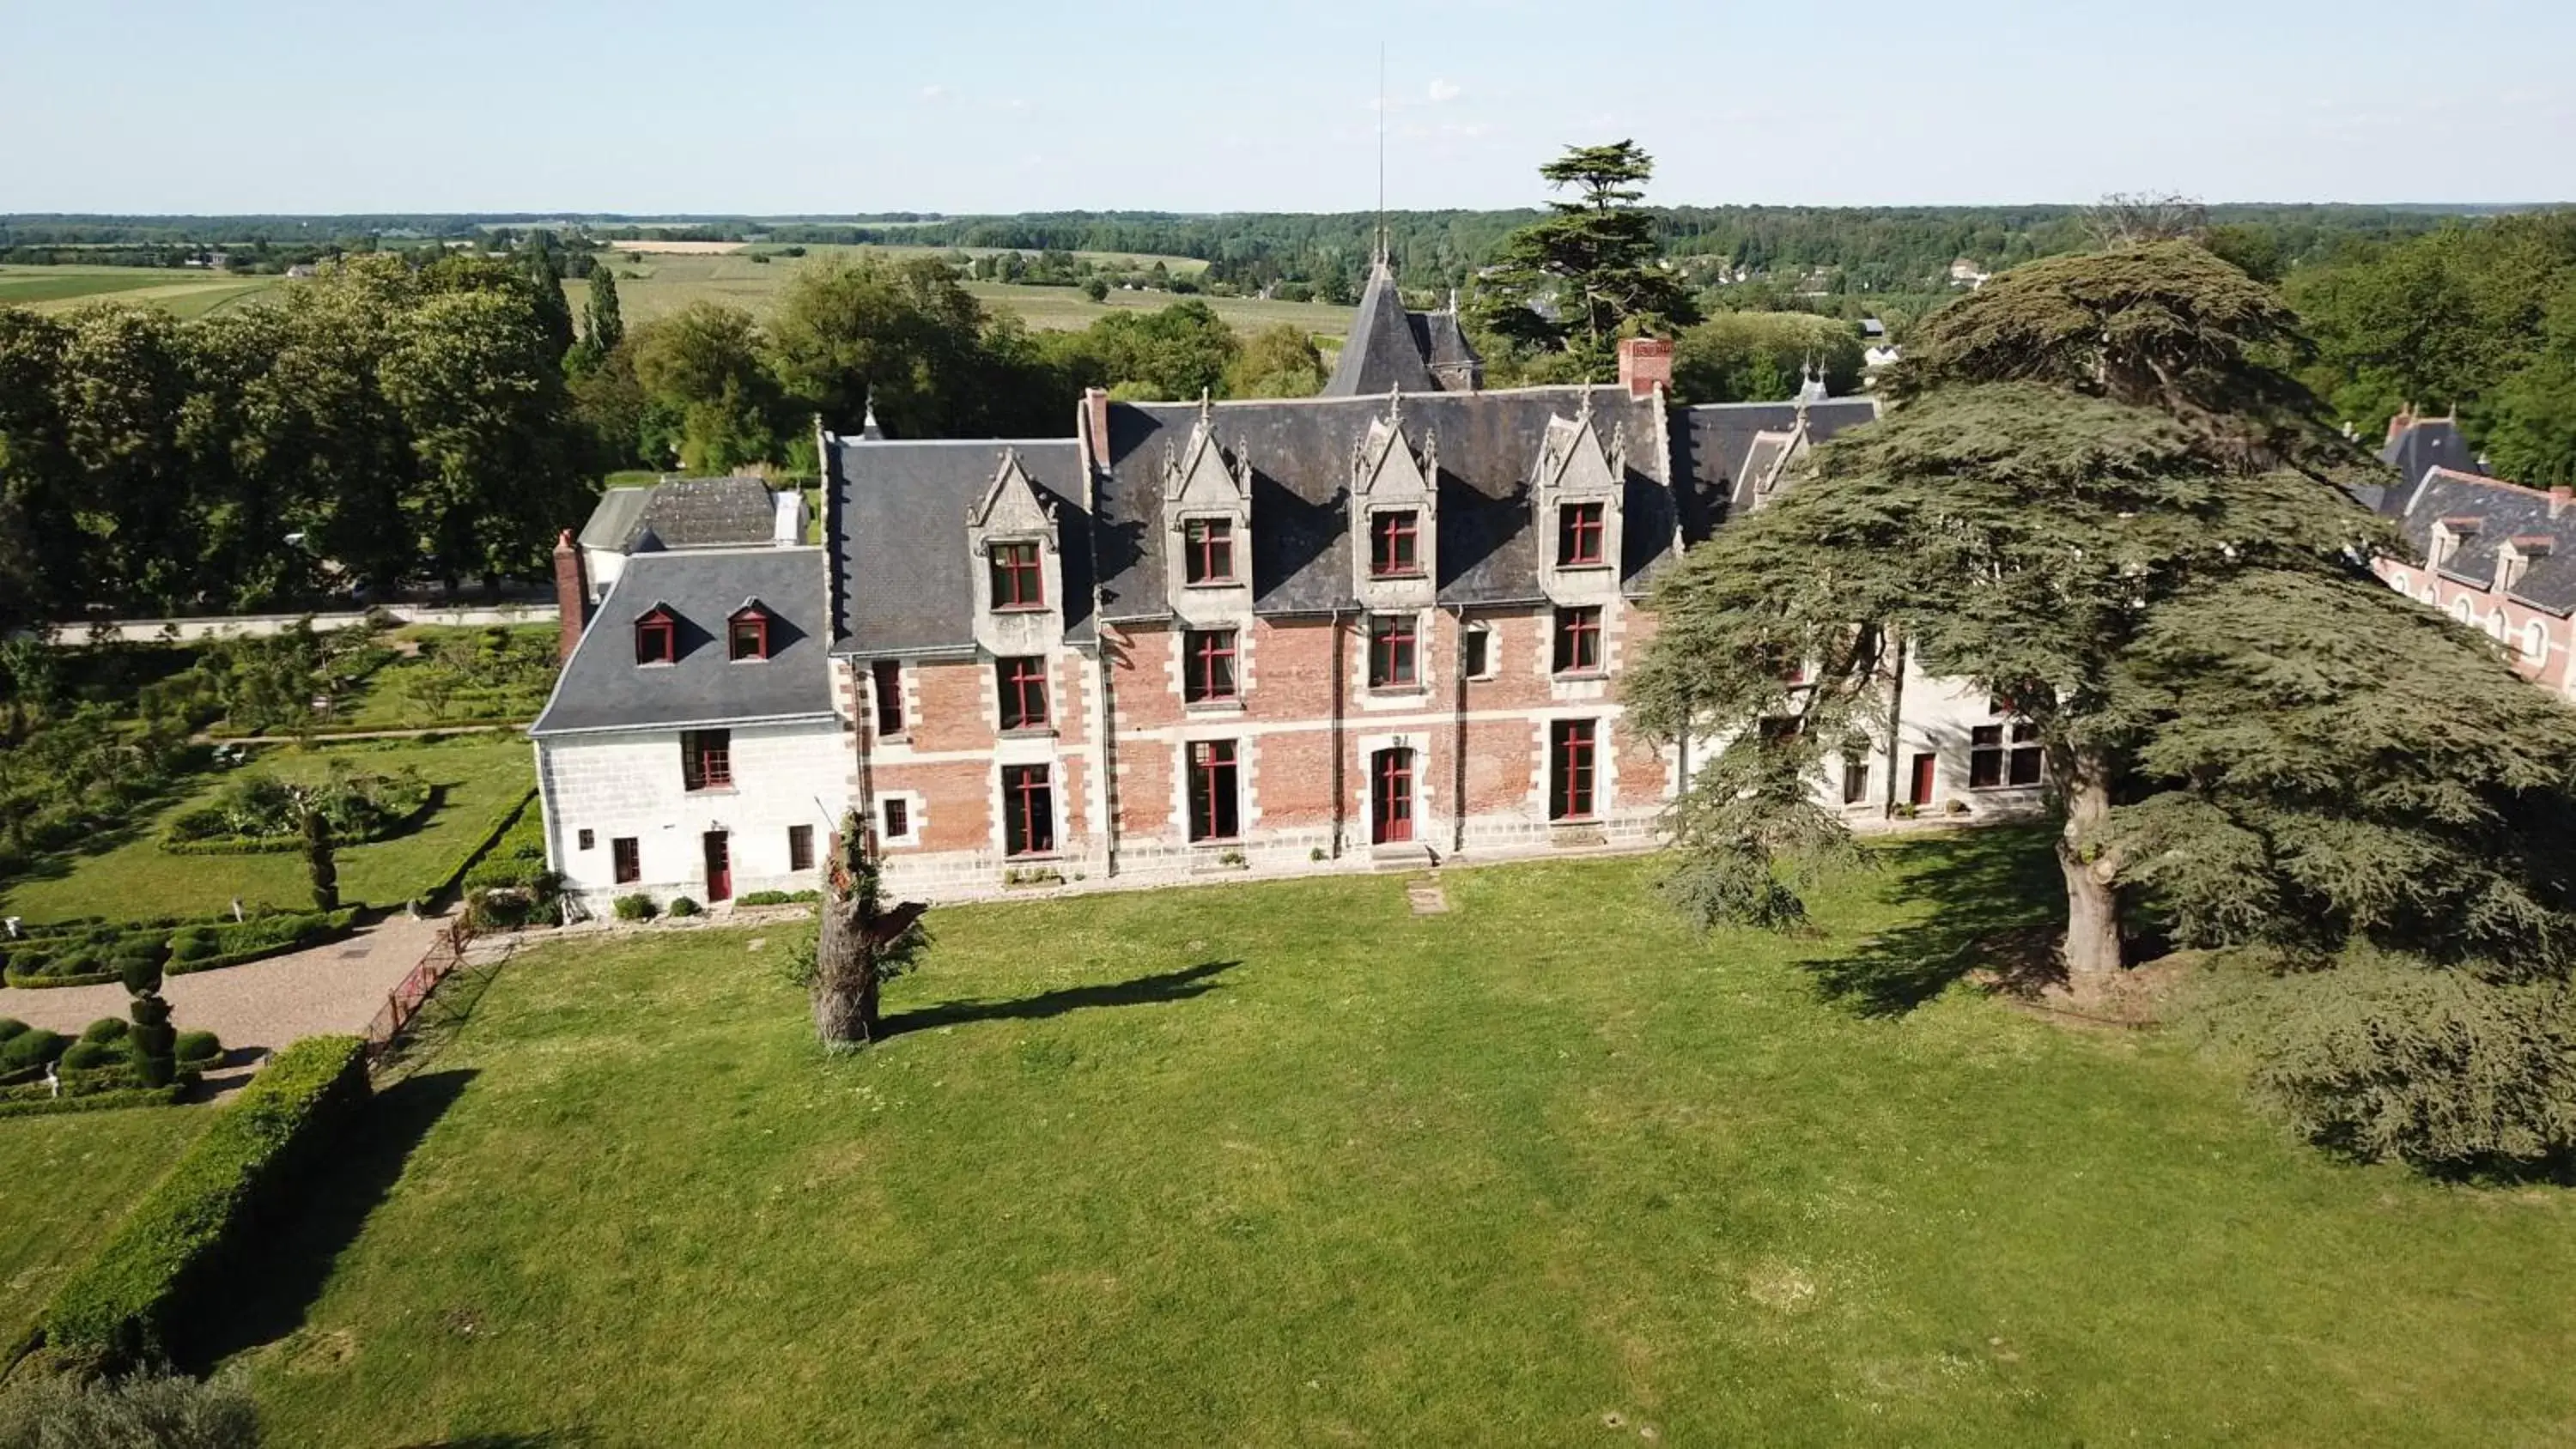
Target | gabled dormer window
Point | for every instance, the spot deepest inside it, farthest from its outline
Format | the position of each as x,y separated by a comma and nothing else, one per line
1207,546
1395,544
1018,580
747,634
1580,532
657,637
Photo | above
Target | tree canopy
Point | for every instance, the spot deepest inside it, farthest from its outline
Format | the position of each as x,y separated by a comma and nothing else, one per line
1571,282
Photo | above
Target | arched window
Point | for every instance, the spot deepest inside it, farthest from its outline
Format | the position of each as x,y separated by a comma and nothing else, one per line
2431,596
2495,625
2535,641
2397,580
2463,610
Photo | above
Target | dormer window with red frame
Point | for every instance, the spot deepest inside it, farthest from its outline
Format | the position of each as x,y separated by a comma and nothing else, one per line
657,637
1579,535
1394,545
1208,551
747,634
1017,581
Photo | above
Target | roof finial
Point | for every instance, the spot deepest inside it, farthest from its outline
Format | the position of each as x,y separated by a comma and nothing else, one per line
1206,409
1381,258
868,426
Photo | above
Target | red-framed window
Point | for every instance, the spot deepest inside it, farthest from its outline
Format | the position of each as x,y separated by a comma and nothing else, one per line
1208,551
706,759
1392,650
1207,665
627,858
1023,687
800,847
747,635
897,813
1580,535
1578,640
1395,544
2002,755
1028,810
657,638
1215,801
1017,581
885,684
1570,744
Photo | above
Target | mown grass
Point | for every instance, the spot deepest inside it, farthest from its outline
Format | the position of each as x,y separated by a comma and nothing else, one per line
1285,1163
64,1182
130,875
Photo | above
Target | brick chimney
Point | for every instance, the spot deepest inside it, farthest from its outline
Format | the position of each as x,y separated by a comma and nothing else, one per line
2400,422
1095,424
572,592
1645,364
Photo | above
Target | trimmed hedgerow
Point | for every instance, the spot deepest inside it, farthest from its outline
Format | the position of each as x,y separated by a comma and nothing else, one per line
125,1304
779,898
24,1102
231,943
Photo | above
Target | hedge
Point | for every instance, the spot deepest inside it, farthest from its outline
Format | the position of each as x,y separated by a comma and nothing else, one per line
455,876
111,1101
165,1262
261,936
779,898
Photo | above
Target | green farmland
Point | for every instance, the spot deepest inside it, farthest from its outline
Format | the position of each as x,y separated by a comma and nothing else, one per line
185,293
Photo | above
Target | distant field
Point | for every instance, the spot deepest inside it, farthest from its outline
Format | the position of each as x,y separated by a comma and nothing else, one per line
186,293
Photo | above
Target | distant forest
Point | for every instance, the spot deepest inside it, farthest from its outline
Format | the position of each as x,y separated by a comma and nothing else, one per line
1811,251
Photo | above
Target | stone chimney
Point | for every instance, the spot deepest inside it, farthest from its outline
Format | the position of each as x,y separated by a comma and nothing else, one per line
2559,499
1095,424
1645,364
2398,424
572,593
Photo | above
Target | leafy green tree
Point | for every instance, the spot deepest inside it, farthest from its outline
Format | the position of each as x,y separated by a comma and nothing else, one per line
1594,266
546,291
1763,357
907,336
1172,353
606,324
41,546
1280,360
705,366
2100,504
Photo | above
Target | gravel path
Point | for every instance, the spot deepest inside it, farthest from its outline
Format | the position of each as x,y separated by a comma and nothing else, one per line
263,1005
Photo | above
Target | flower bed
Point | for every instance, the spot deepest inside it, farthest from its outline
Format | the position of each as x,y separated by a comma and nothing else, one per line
257,814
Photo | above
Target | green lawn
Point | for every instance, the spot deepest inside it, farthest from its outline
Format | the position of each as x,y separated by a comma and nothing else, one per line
484,775
1285,1163
187,293
64,1181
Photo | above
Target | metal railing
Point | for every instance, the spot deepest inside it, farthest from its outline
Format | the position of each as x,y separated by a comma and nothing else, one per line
445,954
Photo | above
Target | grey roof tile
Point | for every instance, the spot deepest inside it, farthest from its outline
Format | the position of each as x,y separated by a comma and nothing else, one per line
603,688
1381,352
904,574
2502,512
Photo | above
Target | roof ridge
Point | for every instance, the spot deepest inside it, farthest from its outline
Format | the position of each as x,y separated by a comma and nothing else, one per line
2481,479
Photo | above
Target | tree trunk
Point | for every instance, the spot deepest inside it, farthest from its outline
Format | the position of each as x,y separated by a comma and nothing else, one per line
845,986
2092,905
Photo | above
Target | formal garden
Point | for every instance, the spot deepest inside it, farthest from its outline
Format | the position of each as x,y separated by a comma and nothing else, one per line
1286,1162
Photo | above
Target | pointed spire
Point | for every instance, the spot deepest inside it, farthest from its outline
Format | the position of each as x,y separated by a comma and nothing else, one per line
868,428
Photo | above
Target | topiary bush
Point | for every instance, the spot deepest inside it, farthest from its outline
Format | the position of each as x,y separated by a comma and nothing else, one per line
198,1048
637,907
105,1029
683,906
90,1056
30,1049
167,1260
2427,1065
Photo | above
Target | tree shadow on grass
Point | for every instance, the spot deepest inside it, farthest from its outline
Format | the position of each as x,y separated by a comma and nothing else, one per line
1162,986
1996,905
264,1292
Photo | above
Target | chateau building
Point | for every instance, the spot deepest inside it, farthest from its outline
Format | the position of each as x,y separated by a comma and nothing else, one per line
2499,557
1380,627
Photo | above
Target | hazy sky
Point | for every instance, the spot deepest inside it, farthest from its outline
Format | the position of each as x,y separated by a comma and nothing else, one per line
997,105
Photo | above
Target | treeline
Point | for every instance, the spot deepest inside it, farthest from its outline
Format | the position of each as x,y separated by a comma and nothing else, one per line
2479,318
712,388
384,424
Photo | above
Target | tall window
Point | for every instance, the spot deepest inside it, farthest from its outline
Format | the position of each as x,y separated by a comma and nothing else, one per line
885,681
1028,810
1478,642
627,859
1997,758
896,813
1214,810
1208,546
1017,583
1578,640
1022,683
800,847
1207,665
1579,534
1855,778
1569,777
1394,539
1391,651
657,638
706,759
747,636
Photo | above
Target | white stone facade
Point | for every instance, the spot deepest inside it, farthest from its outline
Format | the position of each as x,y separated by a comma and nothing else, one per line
628,785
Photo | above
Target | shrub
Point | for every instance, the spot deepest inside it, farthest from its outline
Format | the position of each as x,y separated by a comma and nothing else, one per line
683,906
11,1026
198,1048
105,1029
195,943
637,907
2431,1066
90,1056
124,1305
31,1048
779,898
168,1412
258,813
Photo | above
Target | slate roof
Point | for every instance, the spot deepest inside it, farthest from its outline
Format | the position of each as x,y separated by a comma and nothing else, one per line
603,688
682,513
1714,446
1300,453
2486,514
1382,352
903,573
2418,449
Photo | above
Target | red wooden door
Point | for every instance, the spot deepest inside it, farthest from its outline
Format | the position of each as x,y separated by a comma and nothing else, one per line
1927,770
719,867
1391,813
